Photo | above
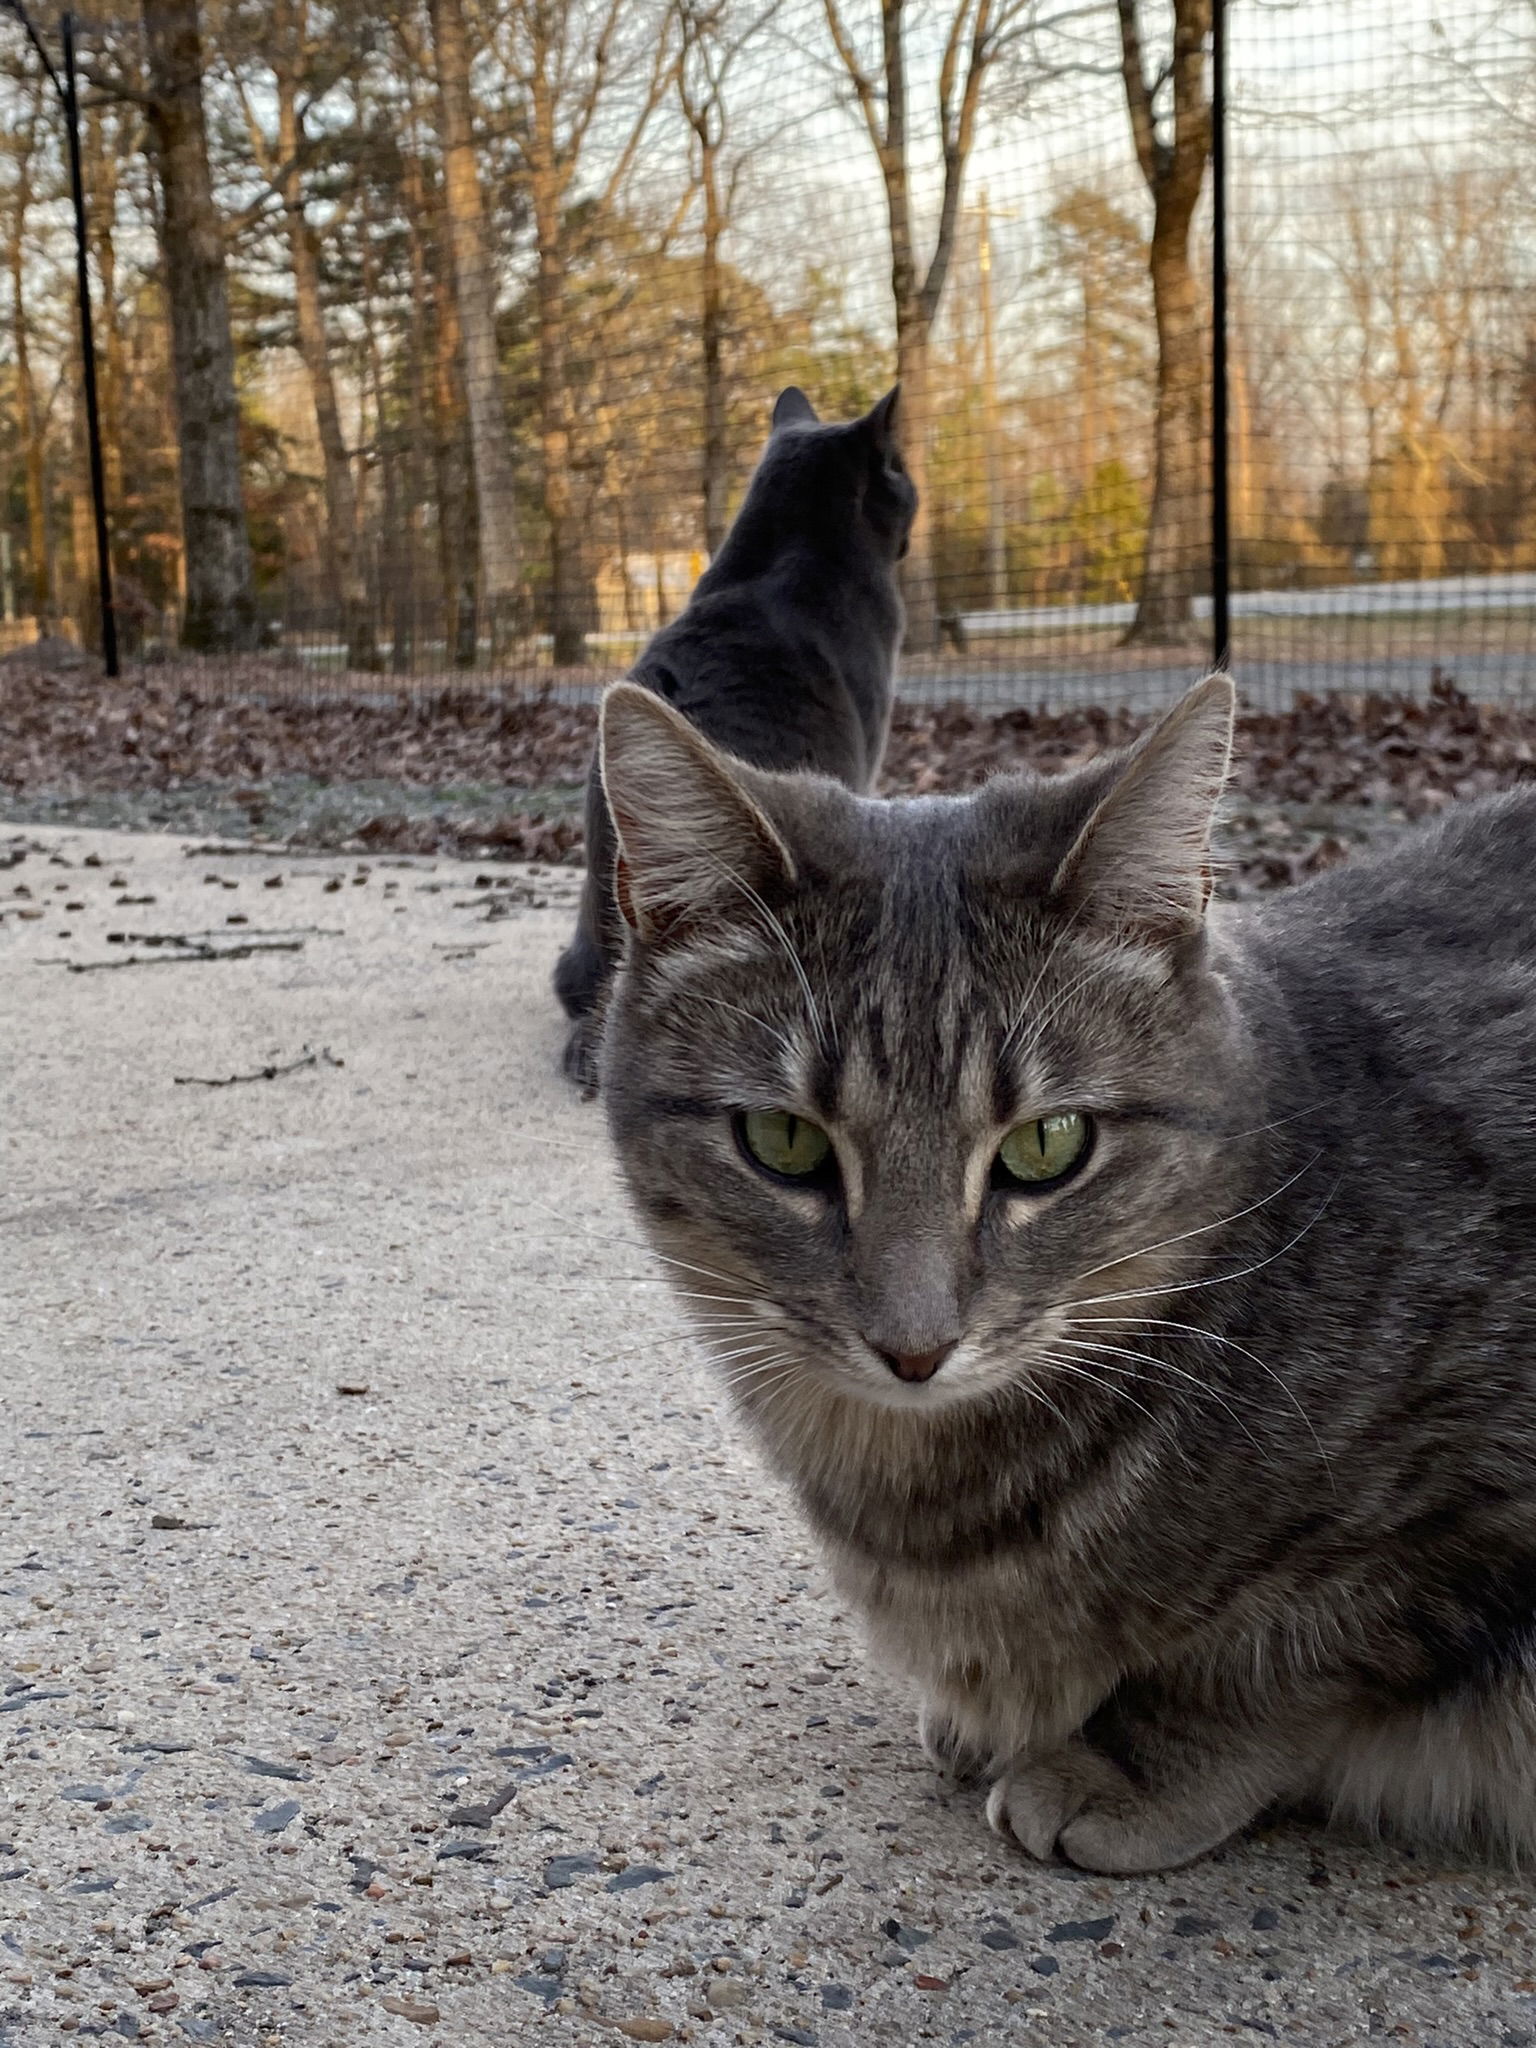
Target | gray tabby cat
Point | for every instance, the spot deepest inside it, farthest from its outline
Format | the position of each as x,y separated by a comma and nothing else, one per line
785,654
1139,1294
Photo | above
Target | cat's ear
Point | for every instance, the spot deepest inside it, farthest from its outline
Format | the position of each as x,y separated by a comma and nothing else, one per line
1142,862
793,409
883,423
692,843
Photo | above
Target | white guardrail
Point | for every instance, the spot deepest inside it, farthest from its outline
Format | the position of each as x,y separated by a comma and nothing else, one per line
1515,592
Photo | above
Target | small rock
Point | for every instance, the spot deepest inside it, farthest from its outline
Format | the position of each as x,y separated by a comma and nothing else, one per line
1083,1930
1265,1918
728,1993
931,1983
636,1875
1189,1924
1044,1966
166,1522
647,2030
998,1938
262,1980
164,2001
561,1871
273,1819
837,1997
421,2010
908,1938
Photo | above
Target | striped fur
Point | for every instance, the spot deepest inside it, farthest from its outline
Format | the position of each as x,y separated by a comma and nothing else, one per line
1226,1495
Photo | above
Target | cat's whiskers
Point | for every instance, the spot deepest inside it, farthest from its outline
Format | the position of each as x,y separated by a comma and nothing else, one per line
1040,973
1054,1008
780,1038
1151,1322
1074,1370
1204,1229
1213,1279
775,928
1095,1347
634,1244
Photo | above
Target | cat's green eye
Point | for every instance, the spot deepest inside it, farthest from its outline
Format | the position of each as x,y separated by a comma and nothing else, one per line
785,1143
1036,1153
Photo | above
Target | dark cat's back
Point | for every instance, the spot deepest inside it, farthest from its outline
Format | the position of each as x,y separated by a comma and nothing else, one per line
785,655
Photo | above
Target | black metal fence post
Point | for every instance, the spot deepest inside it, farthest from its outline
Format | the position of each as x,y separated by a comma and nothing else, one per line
71,98
1221,536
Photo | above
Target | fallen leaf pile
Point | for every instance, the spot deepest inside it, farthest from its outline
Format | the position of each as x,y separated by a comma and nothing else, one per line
1413,755
64,728
161,728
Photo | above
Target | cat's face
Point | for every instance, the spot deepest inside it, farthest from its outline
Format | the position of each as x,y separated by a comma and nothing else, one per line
909,1092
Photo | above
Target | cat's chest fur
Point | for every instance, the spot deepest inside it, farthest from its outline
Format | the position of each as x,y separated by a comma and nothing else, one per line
1013,1617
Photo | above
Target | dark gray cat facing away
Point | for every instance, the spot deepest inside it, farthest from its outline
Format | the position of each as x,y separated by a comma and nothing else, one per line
785,654
1138,1293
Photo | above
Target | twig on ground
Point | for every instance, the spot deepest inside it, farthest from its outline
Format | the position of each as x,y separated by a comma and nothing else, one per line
310,1057
212,937
188,953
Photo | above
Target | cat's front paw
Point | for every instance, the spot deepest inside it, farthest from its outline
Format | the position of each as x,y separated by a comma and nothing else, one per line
946,1748
1078,1804
581,1049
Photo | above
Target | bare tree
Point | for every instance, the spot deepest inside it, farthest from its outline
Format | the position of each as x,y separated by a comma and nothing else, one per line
1171,127
294,53
22,144
221,600
714,35
977,34
474,282
570,60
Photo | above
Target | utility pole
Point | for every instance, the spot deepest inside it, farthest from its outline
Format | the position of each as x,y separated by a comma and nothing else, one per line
991,419
1221,509
68,93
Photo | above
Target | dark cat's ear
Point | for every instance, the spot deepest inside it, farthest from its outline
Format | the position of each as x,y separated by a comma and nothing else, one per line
1142,862
883,423
793,409
692,843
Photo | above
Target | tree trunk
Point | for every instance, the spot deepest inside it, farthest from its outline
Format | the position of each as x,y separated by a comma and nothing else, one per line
1178,539
39,562
501,576
715,478
919,581
344,568
565,591
916,301
103,170
221,599
456,503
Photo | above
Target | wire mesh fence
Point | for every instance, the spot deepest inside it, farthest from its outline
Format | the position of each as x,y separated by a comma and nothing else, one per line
439,340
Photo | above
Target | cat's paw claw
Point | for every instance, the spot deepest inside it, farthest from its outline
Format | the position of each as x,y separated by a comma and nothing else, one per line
946,1748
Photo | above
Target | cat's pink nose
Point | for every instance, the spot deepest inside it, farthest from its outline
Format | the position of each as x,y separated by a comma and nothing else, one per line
917,1365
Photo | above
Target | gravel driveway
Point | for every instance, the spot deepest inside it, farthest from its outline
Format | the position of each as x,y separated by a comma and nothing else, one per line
399,1642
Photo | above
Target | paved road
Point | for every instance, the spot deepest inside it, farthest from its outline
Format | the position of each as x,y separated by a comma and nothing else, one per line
356,1482
1491,678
